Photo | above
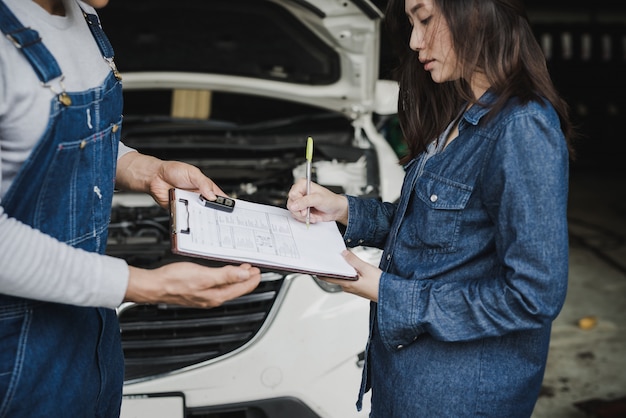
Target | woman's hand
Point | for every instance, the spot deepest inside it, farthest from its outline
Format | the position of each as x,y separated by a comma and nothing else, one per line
368,278
325,205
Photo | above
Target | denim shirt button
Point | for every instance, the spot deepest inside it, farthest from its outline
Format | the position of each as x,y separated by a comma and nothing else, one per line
388,257
433,198
349,240
400,346
360,241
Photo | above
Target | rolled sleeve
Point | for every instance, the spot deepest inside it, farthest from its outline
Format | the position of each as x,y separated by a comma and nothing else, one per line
397,304
369,221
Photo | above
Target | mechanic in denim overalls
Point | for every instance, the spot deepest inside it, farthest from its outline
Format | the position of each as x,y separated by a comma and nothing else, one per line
64,189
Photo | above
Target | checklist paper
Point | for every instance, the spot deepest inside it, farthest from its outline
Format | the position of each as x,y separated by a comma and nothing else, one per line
263,235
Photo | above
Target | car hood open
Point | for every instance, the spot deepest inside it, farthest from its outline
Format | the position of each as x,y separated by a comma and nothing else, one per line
323,52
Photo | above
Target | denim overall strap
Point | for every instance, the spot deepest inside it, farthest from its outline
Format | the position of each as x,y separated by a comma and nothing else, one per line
28,41
103,42
65,187
96,30
55,358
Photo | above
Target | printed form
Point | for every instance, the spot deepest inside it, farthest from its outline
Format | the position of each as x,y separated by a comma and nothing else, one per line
262,235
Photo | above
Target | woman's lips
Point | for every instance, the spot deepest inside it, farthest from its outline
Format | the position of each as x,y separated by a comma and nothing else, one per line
428,64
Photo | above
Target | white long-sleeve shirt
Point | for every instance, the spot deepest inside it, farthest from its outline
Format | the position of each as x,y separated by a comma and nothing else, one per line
32,264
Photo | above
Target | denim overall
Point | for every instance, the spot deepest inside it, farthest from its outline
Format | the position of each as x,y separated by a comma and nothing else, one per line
59,360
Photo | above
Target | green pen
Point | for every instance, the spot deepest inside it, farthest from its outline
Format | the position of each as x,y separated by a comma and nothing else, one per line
309,159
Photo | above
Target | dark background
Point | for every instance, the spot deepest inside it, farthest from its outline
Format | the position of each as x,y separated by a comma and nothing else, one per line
587,61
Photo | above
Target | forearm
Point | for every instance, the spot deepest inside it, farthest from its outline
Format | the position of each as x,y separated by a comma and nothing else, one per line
135,171
343,215
36,266
191,284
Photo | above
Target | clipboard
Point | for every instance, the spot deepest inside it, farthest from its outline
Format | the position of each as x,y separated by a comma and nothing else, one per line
263,235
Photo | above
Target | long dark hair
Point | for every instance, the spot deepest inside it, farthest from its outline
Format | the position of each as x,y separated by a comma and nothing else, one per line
493,36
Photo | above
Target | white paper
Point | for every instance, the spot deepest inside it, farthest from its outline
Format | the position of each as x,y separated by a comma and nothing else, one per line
259,234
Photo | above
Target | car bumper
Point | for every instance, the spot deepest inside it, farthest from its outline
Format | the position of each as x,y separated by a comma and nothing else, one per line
307,357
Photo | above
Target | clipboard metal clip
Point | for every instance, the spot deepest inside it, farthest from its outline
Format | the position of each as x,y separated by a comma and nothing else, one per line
188,229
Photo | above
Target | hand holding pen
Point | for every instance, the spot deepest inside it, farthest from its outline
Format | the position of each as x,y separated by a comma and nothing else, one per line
309,202
321,204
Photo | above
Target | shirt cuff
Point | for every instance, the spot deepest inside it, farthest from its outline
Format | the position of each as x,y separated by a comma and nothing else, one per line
113,283
397,310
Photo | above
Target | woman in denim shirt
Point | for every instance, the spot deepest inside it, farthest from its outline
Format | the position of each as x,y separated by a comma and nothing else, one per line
475,259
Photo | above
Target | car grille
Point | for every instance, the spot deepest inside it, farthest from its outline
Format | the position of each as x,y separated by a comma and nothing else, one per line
161,338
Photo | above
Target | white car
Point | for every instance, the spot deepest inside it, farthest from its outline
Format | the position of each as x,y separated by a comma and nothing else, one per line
235,87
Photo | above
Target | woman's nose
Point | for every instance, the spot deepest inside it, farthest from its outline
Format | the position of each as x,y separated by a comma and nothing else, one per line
416,40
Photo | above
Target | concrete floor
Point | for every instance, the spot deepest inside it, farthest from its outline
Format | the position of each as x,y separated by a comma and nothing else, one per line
587,364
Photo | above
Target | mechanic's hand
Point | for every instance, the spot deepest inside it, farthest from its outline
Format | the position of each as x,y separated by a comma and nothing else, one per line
368,278
144,173
190,284
325,205
182,176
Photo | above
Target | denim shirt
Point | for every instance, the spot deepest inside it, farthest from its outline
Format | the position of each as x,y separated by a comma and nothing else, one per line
475,268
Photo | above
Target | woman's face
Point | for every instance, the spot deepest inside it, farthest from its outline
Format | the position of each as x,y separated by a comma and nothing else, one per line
431,39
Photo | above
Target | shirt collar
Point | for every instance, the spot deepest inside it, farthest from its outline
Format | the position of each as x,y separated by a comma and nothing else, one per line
476,112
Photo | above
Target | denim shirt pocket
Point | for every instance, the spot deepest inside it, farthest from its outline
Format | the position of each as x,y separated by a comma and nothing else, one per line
437,211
